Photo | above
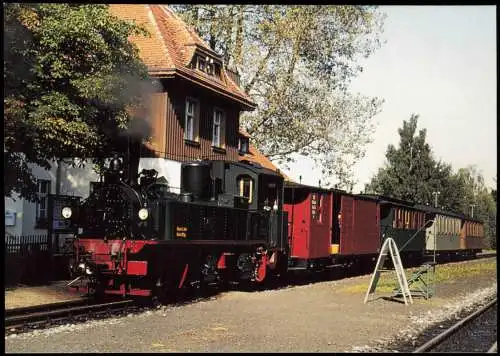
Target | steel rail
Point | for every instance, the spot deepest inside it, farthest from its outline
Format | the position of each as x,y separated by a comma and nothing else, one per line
49,306
58,312
447,333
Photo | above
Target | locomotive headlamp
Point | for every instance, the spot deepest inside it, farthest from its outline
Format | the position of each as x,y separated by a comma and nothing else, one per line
143,214
66,212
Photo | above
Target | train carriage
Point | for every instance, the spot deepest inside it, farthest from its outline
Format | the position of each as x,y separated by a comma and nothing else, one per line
310,225
404,223
443,230
329,227
472,235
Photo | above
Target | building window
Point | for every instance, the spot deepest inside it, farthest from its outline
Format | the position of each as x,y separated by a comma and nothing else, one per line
218,128
210,68
217,70
246,188
201,64
243,145
191,120
207,65
41,213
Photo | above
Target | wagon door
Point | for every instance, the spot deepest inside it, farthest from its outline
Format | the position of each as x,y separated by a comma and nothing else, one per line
319,245
346,225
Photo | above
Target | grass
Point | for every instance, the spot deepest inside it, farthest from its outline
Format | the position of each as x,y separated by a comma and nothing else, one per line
450,273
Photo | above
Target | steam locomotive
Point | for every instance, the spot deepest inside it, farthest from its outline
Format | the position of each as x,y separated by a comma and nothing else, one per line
236,222
137,238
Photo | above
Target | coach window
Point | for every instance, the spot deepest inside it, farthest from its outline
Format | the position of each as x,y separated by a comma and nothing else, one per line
245,185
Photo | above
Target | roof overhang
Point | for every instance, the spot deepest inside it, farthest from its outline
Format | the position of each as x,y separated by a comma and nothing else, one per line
171,72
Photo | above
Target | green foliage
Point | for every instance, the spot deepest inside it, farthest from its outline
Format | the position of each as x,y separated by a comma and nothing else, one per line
70,79
296,62
477,199
411,173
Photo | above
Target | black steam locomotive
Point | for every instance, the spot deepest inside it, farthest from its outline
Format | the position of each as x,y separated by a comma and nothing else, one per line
136,237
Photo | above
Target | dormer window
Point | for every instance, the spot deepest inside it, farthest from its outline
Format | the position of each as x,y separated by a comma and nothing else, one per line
210,69
207,65
201,64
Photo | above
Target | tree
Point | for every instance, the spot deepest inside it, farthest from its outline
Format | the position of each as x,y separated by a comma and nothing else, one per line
477,200
70,79
494,191
296,62
411,173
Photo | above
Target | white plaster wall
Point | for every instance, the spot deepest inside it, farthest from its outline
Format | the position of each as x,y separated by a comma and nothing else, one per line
74,181
169,169
29,208
14,204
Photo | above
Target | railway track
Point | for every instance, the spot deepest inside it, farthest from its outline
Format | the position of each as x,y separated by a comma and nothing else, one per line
42,316
438,343
24,319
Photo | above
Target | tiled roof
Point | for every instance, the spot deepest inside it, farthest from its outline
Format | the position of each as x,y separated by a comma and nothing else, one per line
171,46
244,133
256,156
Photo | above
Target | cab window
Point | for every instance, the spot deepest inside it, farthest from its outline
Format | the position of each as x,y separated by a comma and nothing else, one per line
245,186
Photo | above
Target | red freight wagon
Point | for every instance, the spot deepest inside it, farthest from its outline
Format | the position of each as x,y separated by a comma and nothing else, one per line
328,227
359,228
309,221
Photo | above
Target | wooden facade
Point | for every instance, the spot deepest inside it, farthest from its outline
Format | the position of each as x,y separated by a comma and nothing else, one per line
168,110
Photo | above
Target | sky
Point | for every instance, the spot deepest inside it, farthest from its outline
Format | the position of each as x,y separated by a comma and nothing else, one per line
438,62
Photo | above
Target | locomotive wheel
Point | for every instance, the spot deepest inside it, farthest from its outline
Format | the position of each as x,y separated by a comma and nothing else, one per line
158,298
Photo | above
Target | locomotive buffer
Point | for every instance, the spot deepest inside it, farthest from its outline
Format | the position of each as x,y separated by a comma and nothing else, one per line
390,246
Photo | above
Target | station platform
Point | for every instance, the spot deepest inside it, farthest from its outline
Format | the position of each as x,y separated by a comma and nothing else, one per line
53,292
